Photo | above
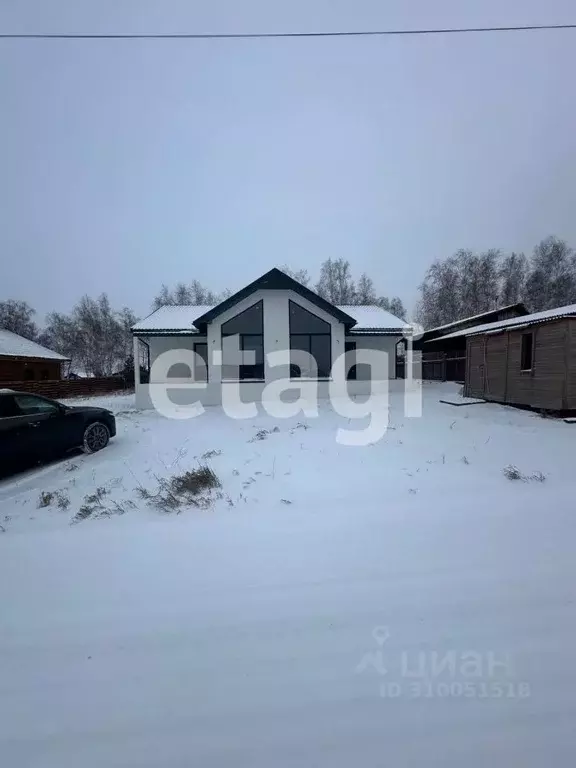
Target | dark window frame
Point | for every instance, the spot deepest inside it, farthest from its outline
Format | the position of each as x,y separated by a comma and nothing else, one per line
295,372
527,350
254,372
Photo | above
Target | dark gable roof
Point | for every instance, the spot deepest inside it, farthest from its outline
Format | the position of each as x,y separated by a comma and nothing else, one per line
275,280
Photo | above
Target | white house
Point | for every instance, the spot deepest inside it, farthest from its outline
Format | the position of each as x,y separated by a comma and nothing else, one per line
234,343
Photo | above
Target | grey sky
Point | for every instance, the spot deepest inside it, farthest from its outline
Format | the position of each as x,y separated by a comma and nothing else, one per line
125,164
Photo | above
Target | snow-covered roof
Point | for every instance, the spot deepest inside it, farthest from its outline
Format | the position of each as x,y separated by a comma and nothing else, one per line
13,345
473,317
180,319
369,317
172,319
514,323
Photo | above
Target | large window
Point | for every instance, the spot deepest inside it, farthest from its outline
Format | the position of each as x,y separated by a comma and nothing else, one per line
244,358
527,352
201,365
350,349
311,334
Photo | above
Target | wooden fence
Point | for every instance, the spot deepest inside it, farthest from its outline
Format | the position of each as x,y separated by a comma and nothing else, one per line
69,387
438,366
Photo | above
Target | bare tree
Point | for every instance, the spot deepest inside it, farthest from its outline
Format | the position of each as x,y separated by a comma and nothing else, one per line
336,283
440,294
94,336
17,316
62,335
365,291
126,319
551,281
193,294
489,280
462,285
396,307
512,274
300,275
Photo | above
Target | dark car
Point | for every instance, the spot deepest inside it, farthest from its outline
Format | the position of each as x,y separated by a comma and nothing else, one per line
35,428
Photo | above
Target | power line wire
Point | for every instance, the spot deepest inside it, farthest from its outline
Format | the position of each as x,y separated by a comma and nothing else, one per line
255,35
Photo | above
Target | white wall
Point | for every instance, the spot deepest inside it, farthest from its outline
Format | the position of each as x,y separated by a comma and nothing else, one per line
254,392
276,338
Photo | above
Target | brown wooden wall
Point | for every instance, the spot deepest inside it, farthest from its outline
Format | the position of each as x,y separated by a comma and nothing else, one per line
24,369
571,378
493,367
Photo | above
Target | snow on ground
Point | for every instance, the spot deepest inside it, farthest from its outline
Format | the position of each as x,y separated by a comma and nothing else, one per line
252,633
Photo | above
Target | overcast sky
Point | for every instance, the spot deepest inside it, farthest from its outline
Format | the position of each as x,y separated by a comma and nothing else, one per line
125,164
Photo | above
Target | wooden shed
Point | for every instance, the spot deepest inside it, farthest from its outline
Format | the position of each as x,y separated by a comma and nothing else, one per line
444,349
24,360
529,360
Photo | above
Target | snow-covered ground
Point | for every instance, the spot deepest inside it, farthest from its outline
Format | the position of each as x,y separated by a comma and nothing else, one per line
287,625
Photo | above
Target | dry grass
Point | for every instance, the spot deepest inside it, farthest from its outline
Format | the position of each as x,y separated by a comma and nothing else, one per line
45,499
62,500
262,434
188,489
513,473
211,454
49,498
97,505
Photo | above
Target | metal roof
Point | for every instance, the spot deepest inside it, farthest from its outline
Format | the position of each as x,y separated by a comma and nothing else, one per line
179,320
13,345
515,323
172,319
518,305
370,317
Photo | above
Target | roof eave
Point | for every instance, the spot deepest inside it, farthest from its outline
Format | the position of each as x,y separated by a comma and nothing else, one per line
165,332
3,355
377,332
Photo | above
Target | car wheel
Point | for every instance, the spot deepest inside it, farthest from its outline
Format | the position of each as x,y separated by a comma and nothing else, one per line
96,437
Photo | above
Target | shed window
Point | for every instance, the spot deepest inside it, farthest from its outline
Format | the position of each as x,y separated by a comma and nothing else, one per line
527,352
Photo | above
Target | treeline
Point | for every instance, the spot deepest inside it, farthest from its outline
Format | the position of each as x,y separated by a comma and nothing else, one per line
94,336
337,285
97,339
468,283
